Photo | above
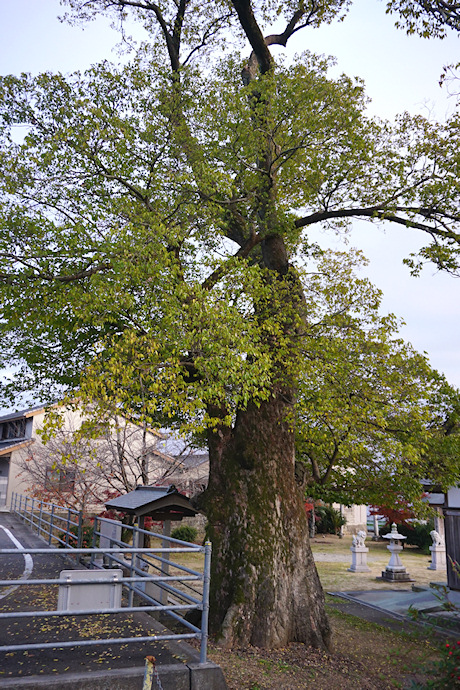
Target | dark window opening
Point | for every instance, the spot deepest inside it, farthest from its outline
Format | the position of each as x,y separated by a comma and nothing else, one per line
60,479
13,429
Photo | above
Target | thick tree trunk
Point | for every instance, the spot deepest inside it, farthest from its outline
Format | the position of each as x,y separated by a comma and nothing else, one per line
265,589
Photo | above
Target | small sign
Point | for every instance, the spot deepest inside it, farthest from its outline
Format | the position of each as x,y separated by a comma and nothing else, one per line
75,595
110,530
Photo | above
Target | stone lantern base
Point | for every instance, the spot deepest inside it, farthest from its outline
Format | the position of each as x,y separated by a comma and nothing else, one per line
395,576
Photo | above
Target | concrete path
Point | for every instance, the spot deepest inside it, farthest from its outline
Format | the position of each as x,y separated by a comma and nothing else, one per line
101,667
427,603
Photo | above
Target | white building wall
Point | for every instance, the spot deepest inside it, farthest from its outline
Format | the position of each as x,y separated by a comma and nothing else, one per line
356,517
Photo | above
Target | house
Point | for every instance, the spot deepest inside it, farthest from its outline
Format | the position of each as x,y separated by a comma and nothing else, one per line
82,466
190,464
16,435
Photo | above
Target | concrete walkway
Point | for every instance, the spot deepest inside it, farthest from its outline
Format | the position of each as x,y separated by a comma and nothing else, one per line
100,667
426,603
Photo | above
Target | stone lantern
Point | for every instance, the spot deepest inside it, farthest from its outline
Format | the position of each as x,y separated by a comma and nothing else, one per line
395,571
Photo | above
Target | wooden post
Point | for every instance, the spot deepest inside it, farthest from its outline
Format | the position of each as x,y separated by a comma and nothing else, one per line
452,529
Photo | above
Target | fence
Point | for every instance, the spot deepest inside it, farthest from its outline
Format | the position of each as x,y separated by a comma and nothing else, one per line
147,583
56,524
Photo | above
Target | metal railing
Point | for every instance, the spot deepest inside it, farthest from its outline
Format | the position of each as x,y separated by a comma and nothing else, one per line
151,582
58,525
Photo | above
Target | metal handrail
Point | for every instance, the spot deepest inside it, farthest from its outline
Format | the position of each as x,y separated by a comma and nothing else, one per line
54,523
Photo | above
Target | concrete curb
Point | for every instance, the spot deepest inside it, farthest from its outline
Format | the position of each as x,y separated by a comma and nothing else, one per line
190,676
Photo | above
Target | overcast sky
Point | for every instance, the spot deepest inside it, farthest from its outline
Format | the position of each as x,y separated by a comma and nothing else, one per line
401,73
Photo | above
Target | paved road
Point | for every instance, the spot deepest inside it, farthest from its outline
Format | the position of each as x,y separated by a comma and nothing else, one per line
55,662
14,534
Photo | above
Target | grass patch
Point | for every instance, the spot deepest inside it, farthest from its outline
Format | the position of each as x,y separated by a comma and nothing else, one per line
333,557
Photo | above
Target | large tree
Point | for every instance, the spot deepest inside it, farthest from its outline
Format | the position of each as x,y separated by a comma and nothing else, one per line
154,236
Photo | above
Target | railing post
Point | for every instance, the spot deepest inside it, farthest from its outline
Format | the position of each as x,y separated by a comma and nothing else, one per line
50,536
32,523
67,534
132,572
165,566
20,505
79,537
40,515
205,611
95,530
80,529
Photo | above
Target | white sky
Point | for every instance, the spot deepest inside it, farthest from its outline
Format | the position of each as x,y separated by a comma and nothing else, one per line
401,73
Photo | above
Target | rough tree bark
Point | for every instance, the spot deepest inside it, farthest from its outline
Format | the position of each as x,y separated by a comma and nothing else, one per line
265,590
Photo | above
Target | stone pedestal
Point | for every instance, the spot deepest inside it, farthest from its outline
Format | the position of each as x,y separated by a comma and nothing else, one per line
392,576
359,560
438,558
438,551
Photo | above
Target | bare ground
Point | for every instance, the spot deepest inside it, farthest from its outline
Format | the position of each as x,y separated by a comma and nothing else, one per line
366,655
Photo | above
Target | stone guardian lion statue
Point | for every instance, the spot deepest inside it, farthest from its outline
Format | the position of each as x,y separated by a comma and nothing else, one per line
358,539
436,537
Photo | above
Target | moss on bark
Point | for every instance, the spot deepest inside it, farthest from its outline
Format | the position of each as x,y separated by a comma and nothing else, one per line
265,590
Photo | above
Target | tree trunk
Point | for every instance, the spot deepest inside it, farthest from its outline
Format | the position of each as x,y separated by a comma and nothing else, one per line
265,589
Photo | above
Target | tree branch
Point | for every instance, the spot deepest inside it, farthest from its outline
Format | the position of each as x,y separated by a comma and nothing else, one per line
11,278
261,57
242,253
254,34
380,213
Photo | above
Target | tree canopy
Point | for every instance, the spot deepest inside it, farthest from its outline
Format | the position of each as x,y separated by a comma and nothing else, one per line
99,166
154,234
372,416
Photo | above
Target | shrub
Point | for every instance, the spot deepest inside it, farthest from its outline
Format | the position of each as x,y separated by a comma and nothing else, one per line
329,520
185,533
417,533
446,671
448,668
86,535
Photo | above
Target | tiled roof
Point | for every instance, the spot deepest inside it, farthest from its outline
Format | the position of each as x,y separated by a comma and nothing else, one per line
20,414
146,500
